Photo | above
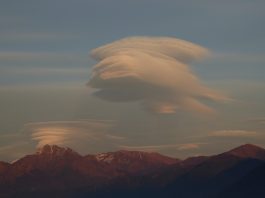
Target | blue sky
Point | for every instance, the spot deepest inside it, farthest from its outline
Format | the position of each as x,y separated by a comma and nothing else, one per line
232,28
44,66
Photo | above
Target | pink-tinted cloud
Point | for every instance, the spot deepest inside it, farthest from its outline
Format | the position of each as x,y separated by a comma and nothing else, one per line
153,71
186,146
71,133
233,133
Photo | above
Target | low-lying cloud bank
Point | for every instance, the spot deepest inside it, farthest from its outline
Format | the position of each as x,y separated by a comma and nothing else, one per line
154,71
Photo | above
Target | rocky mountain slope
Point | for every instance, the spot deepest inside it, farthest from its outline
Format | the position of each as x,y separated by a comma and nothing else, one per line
54,171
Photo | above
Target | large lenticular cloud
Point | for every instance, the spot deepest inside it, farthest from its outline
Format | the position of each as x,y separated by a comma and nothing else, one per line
152,70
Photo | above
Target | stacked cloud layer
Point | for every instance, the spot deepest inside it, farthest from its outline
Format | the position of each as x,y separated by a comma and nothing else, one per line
154,71
70,133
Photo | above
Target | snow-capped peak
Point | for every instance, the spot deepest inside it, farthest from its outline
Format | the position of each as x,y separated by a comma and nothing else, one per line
104,157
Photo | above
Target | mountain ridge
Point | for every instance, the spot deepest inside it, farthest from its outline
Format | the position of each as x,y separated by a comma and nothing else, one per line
53,169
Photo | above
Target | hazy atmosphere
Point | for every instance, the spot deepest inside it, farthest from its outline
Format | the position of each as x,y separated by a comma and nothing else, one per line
182,78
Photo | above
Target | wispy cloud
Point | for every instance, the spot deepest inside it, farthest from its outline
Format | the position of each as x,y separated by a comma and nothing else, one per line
11,37
233,133
14,148
114,137
186,146
43,71
13,56
258,120
189,146
154,71
240,57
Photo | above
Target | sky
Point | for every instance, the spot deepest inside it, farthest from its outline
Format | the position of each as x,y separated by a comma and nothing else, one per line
52,93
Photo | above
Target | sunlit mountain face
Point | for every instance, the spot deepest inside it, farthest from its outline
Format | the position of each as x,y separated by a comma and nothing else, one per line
54,171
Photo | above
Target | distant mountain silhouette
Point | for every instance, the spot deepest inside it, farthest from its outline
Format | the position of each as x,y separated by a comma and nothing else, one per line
247,151
55,171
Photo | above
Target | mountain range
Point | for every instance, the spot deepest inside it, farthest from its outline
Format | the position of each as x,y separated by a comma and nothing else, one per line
55,171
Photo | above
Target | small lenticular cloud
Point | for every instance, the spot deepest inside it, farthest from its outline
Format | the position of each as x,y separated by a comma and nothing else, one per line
152,70
71,133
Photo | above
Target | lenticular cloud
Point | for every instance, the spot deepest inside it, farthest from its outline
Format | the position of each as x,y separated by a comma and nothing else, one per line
153,71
